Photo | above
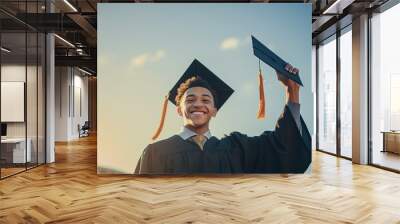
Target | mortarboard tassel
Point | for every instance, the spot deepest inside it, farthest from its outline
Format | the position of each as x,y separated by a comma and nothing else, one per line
261,103
161,125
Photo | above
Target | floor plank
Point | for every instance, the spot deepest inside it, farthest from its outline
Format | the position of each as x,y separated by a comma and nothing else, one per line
70,191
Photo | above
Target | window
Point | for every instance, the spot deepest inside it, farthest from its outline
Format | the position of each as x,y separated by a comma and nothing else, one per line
327,95
346,92
385,89
333,137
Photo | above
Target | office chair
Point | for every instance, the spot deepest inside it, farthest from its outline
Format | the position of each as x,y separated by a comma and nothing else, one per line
84,130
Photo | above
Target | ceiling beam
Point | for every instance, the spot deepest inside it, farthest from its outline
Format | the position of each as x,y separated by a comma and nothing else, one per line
86,26
82,61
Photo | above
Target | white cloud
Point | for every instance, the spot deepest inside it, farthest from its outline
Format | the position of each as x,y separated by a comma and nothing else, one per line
144,58
158,55
229,43
140,60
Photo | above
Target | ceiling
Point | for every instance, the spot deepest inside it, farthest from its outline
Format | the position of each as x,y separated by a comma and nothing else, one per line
76,22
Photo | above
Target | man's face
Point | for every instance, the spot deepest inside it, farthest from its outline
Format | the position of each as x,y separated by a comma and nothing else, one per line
197,107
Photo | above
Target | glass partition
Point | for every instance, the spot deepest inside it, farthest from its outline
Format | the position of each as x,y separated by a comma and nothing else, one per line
41,107
32,95
14,153
22,77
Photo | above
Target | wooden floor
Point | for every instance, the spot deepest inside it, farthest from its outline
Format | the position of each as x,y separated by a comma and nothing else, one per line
70,191
5,172
387,159
8,171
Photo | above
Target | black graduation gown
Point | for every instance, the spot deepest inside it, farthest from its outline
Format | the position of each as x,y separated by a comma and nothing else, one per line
283,150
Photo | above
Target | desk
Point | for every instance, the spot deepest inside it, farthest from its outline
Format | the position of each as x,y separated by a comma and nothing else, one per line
16,151
391,141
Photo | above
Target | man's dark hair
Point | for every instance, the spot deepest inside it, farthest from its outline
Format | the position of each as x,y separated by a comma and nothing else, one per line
194,81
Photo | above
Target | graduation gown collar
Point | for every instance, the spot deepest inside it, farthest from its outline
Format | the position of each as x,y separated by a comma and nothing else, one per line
186,133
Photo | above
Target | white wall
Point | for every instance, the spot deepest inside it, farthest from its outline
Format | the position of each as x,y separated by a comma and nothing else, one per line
79,117
62,81
69,84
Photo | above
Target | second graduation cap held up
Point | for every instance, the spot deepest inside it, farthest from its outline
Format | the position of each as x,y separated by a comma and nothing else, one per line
269,57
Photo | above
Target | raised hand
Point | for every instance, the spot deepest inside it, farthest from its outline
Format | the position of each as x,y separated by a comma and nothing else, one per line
293,88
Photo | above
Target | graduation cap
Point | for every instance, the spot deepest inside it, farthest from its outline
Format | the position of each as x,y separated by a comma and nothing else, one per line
221,89
269,57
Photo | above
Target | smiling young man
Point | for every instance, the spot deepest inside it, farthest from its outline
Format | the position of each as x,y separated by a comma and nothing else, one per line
198,95
196,100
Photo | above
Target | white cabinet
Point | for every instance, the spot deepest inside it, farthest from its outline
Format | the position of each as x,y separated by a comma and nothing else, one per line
18,149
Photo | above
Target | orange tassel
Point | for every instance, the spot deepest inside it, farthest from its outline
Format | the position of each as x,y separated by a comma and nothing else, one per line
161,125
261,103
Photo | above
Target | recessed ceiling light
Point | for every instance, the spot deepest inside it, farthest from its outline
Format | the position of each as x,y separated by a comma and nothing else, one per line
84,71
332,7
70,5
64,40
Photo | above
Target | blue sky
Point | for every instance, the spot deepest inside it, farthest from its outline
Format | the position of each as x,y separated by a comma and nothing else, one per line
143,49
